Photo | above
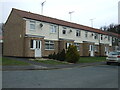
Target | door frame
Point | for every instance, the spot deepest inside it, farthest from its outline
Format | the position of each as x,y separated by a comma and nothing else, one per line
91,49
38,49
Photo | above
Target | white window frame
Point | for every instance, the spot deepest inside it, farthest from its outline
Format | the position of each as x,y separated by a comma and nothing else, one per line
95,48
108,38
53,29
32,25
68,44
101,37
49,43
86,34
96,36
34,44
63,33
78,33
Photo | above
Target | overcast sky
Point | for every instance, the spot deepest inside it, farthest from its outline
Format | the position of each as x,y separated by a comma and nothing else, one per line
103,12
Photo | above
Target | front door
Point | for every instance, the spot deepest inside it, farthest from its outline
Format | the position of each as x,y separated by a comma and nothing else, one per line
91,49
106,50
38,48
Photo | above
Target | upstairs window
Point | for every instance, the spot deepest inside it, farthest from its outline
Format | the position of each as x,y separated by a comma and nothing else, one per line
108,38
101,37
86,34
32,25
96,36
53,29
78,32
64,31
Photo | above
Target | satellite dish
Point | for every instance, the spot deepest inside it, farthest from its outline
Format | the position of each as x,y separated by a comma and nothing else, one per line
41,25
70,30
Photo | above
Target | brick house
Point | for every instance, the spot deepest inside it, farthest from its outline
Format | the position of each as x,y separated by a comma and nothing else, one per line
31,35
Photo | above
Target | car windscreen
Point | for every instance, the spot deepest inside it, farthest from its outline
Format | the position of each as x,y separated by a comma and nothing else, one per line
114,53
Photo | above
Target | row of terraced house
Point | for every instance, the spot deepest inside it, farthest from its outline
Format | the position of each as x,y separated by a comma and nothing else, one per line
31,35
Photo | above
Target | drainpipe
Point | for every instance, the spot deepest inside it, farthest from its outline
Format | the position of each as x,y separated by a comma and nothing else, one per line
58,40
99,46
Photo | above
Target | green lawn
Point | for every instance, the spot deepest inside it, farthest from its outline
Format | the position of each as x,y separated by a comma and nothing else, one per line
91,59
7,61
54,62
81,60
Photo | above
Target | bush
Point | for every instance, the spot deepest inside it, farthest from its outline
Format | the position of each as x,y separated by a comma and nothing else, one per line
59,56
50,56
72,54
54,56
62,55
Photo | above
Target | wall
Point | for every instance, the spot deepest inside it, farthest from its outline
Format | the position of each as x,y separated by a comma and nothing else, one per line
44,31
14,36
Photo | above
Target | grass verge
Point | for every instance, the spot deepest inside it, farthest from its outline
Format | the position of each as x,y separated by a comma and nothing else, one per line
81,60
54,62
91,59
8,61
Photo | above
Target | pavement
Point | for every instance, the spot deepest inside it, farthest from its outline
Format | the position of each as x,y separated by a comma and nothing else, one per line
41,66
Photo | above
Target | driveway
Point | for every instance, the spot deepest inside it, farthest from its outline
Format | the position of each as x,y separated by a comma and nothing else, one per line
101,76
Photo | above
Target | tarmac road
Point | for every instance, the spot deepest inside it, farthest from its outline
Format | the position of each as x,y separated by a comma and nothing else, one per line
100,76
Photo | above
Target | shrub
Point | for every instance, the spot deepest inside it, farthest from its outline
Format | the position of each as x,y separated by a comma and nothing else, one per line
50,56
72,54
62,55
54,56
58,56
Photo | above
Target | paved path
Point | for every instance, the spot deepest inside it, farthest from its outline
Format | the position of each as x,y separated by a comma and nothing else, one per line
38,66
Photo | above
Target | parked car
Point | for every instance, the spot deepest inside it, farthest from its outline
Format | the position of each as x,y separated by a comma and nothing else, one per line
113,57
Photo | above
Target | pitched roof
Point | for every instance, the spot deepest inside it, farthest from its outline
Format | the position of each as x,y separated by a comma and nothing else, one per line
25,14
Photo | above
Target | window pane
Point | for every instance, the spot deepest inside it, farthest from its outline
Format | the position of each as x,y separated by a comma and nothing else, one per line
32,25
46,46
31,44
53,29
64,31
49,45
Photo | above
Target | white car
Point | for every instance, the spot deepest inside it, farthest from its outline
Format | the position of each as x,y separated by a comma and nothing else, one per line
113,57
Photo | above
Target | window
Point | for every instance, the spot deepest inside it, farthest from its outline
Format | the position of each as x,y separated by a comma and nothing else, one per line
31,44
68,44
32,25
77,45
108,38
78,32
96,36
113,39
95,48
101,37
53,29
86,34
64,31
49,45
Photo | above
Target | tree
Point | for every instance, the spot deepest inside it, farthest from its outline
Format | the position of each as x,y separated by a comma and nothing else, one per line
111,28
72,54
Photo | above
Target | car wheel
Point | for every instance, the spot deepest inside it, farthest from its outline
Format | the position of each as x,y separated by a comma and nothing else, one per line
118,64
108,63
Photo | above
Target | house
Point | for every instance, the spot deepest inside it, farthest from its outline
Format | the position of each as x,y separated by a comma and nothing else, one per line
1,38
32,35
